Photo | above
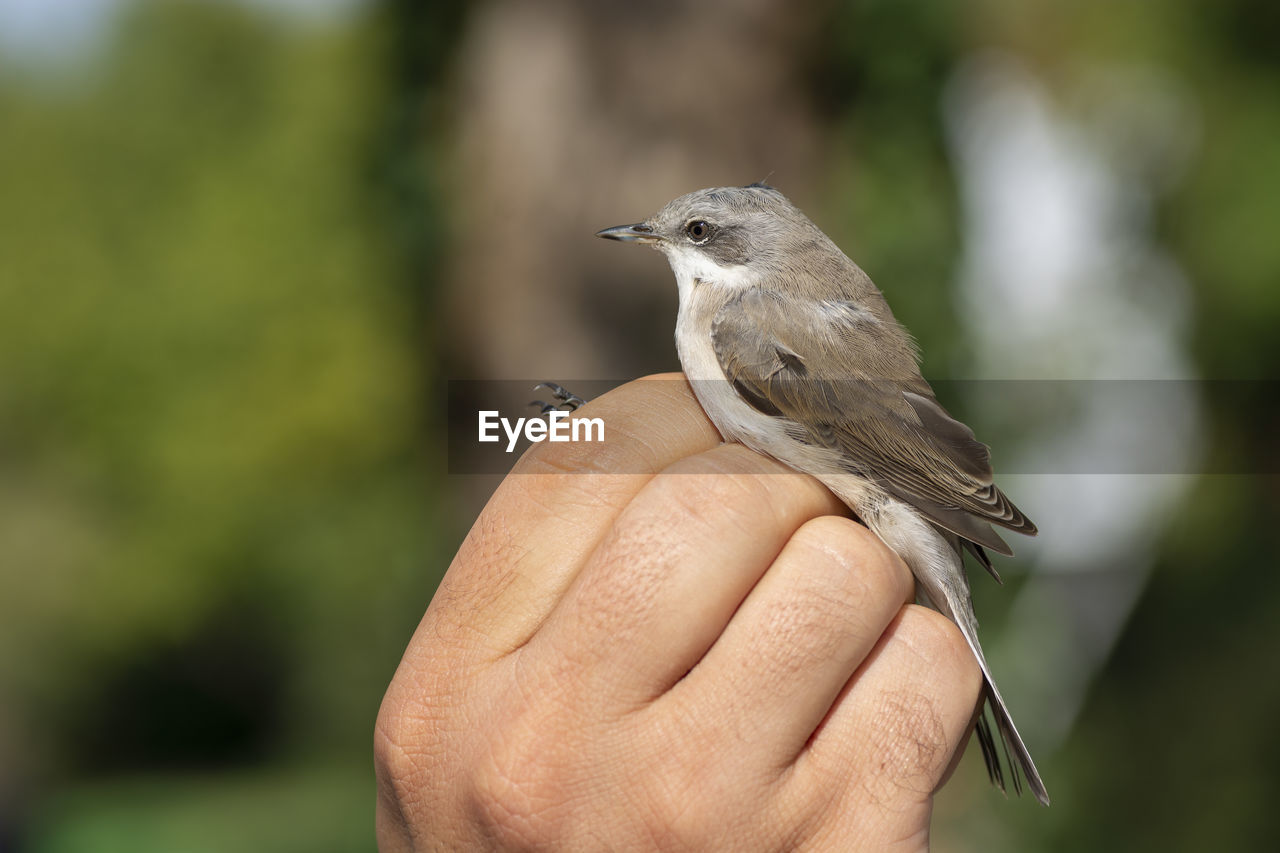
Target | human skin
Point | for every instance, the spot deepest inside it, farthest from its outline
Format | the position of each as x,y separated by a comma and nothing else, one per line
669,643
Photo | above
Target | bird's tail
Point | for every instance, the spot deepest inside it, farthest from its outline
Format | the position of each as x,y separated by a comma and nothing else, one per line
936,558
955,604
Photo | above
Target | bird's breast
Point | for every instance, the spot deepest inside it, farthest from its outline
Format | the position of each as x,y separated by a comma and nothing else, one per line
739,421
733,417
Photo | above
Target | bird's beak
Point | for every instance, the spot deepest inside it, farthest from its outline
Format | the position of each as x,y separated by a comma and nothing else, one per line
638,233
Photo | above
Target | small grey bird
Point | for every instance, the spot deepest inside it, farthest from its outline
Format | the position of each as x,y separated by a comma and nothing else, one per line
793,351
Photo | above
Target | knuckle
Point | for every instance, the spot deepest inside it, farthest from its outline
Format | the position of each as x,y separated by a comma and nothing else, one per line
940,645
390,735
862,567
627,572
723,474
402,755
843,581
709,498
803,630
393,762
732,480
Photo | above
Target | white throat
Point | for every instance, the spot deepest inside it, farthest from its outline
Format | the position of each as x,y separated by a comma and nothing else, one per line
690,265
705,288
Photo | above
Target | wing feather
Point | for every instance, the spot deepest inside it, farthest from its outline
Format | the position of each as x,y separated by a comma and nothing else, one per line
870,403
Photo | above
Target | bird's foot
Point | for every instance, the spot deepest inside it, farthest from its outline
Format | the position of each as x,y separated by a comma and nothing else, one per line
565,400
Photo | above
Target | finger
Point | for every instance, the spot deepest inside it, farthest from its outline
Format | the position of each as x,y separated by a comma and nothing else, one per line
904,714
800,634
677,564
552,510
978,708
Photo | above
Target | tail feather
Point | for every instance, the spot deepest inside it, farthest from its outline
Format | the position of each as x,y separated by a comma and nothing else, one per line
1016,754
990,756
947,590
1015,750
980,554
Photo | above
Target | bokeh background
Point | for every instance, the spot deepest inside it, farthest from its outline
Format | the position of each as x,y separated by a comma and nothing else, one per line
244,245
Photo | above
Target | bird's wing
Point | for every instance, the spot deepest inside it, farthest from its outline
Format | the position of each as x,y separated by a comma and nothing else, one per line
795,359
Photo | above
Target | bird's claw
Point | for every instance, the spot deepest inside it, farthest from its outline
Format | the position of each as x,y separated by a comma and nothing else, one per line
565,400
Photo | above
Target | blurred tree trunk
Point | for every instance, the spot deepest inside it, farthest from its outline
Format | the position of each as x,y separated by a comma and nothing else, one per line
576,116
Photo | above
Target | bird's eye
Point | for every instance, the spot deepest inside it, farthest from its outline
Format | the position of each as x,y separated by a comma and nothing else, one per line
698,230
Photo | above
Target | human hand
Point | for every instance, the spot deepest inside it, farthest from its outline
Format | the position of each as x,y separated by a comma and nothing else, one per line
701,653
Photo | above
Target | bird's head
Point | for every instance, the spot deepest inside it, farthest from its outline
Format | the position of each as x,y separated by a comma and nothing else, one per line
724,232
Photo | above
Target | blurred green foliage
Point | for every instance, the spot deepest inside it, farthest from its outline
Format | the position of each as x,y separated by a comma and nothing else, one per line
215,516
878,78
296,809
